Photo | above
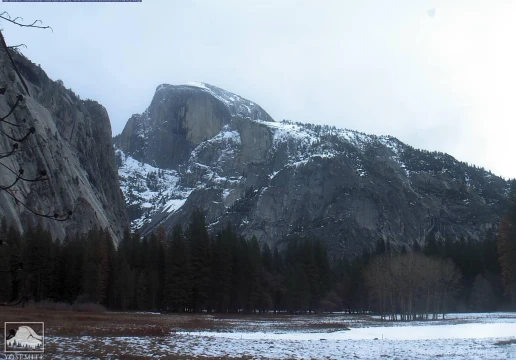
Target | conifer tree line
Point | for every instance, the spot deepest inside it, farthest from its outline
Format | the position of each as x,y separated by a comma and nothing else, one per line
507,248
193,271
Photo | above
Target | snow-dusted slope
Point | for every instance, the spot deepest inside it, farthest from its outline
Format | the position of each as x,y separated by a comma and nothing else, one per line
273,180
148,189
237,105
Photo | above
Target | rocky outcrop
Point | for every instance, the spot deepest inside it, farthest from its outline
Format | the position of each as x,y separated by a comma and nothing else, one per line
73,143
178,119
278,180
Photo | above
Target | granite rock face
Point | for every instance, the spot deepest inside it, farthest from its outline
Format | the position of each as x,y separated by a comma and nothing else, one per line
72,142
178,119
198,146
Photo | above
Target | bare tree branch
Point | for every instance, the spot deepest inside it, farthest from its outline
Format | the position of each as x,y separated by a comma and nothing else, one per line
10,153
13,63
31,131
25,148
5,16
18,177
42,176
55,216
14,47
18,100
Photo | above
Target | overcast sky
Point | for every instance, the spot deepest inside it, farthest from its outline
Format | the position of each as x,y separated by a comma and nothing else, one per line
438,75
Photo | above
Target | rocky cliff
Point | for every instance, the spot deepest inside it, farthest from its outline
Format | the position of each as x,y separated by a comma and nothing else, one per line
200,146
72,142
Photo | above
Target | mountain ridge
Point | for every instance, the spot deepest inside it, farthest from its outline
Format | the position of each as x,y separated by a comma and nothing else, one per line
274,180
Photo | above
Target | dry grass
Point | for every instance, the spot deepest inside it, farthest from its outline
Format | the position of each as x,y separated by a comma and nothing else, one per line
506,342
70,323
329,325
89,307
110,334
197,323
76,323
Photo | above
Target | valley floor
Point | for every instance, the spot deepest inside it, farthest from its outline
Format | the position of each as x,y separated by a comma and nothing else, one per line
73,335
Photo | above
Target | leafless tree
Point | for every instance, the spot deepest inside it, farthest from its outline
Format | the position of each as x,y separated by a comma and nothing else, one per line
411,286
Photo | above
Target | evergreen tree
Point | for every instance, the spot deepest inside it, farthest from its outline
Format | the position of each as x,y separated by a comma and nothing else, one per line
90,278
221,269
507,256
152,270
311,271
102,265
72,270
251,271
124,285
265,294
177,287
278,281
416,247
125,274
161,265
298,291
431,247
112,258
142,291
482,296
236,298
323,266
5,266
380,247
38,255
199,244
507,247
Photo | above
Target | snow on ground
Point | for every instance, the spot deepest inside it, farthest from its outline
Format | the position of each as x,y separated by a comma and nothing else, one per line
303,142
429,332
344,349
174,205
151,187
462,336
209,346
236,104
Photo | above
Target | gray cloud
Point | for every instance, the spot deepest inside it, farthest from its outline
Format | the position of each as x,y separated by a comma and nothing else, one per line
377,67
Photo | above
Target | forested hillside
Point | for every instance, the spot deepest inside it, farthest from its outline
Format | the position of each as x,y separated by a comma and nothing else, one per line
191,271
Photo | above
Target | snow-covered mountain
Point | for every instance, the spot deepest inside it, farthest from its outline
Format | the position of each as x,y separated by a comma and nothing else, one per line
201,146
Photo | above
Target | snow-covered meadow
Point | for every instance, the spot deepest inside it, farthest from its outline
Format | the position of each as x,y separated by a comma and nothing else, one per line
337,336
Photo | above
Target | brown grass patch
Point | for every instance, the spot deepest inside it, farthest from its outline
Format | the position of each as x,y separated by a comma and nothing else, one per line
196,323
89,307
74,323
329,325
506,342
